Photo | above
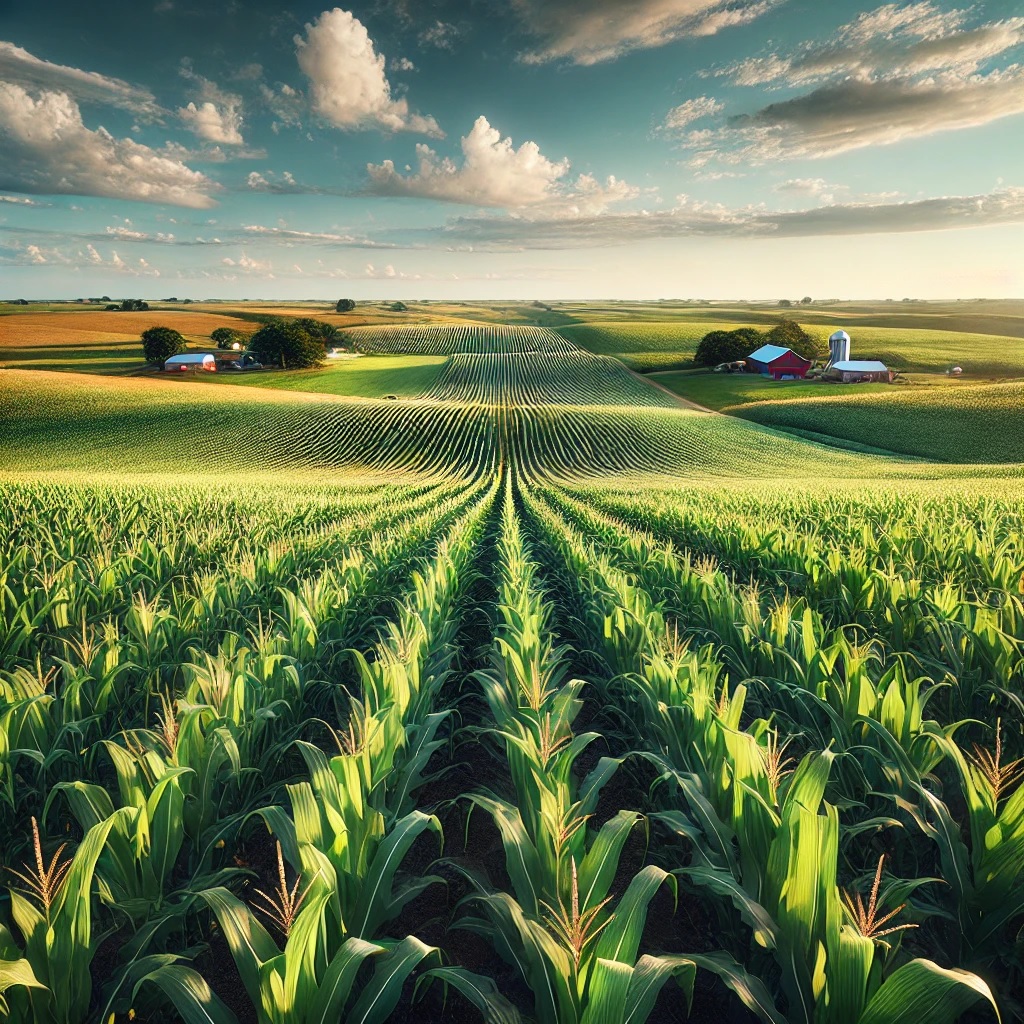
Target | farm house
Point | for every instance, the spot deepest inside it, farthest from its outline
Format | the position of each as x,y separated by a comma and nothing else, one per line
778,363
859,371
191,361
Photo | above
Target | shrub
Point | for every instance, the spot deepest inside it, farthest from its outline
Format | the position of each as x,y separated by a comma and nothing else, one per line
160,343
726,346
286,345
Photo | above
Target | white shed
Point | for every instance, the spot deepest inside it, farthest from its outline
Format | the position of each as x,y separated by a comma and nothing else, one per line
191,361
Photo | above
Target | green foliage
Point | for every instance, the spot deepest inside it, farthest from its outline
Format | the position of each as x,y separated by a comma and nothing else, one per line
134,305
345,306
160,343
789,334
726,346
225,337
287,345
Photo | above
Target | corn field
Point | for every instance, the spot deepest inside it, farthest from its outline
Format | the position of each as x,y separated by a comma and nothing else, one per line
535,730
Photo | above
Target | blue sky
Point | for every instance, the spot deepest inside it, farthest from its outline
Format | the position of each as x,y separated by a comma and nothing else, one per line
512,148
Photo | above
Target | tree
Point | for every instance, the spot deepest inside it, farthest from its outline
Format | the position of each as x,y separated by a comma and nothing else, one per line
287,345
789,334
134,305
325,332
806,300
726,346
398,307
785,302
160,343
225,337
345,306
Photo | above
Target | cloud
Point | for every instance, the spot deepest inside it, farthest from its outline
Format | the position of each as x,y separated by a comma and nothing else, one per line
34,254
247,264
690,111
48,150
285,103
136,268
284,184
441,35
290,236
493,173
894,73
212,123
889,48
814,188
402,64
215,115
854,114
689,219
19,67
591,31
19,200
348,87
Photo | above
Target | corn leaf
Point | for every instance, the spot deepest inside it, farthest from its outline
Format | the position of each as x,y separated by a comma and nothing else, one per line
924,991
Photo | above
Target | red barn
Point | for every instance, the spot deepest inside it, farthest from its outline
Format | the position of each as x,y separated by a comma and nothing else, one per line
778,363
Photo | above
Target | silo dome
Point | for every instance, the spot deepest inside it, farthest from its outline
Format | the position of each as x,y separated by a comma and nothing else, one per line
839,336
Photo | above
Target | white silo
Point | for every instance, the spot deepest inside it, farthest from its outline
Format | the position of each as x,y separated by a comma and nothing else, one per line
839,347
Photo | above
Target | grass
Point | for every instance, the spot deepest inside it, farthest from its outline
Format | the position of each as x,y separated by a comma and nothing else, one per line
364,377
726,392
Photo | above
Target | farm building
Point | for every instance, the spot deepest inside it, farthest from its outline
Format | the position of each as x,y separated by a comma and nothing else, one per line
777,362
838,348
858,371
191,361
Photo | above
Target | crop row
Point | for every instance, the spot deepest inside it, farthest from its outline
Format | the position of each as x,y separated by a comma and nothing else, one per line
225,756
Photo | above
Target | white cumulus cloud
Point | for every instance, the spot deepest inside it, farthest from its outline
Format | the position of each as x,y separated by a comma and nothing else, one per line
493,172
347,84
47,149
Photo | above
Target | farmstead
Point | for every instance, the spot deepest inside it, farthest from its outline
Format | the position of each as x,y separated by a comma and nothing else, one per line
778,363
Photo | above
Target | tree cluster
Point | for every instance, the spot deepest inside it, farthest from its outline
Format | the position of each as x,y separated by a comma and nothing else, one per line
345,306
728,346
289,344
132,306
160,343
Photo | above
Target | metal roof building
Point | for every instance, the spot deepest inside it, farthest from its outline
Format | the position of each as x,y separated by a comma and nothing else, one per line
778,362
191,361
852,371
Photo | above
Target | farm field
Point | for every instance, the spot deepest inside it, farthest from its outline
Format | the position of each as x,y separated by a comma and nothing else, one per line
955,424
530,695
91,341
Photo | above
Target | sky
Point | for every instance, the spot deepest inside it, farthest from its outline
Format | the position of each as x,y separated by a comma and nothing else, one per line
542,149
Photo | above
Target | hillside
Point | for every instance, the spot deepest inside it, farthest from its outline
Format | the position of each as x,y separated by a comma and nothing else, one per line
519,394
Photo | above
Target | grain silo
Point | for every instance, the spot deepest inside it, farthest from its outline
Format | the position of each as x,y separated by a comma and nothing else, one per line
839,348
